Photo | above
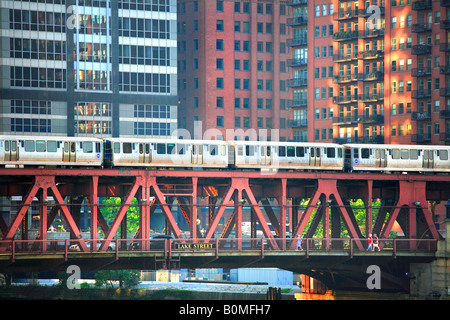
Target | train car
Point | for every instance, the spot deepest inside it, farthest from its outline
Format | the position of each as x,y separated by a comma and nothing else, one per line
288,155
19,151
132,152
404,158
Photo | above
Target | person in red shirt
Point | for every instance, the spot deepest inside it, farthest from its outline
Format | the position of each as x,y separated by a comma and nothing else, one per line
370,243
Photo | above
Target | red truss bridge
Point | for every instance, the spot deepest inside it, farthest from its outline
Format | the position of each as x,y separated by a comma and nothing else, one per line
224,218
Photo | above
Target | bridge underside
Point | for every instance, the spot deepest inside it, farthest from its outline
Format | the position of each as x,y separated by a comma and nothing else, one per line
206,205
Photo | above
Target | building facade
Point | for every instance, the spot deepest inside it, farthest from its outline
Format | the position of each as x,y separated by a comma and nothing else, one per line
233,73
88,67
390,79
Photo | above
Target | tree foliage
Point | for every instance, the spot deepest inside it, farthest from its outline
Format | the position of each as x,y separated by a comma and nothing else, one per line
110,207
125,278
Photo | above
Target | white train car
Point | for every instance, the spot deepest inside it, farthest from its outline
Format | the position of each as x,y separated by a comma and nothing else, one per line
288,155
165,153
404,158
19,151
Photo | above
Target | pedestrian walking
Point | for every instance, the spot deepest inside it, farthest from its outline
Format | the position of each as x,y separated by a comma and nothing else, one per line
299,243
370,243
375,243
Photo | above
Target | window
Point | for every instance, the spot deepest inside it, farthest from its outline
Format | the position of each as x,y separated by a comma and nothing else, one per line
127,147
331,152
51,146
29,146
161,148
443,154
41,146
365,153
88,147
281,151
300,151
219,25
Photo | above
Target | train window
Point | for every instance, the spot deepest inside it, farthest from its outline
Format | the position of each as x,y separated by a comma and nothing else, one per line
127,147
300,151
181,148
290,151
214,150
404,153
97,147
116,147
51,146
249,150
160,148
7,146
29,146
355,153
41,146
443,154
413,154
223,150
282,151
88,147
331,153
339,153
170,148
365,153
395,154
240,151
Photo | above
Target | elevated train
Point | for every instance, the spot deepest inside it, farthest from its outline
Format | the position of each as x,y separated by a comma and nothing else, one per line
20,151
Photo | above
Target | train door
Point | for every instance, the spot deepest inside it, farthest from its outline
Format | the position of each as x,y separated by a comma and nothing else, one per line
197,154
11,151
314,156
265,155
380,158
145,154
428,159
69,154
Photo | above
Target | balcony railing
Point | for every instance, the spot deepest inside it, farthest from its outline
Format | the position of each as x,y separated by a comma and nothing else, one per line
444,114
371,54
374,118
444,70
421,94
353,119
421,116
340,57
371,97
301,82
445,24
345,14
297,103
444,92
371,33
294,42
345,35
345,78
445,46
367,13
378,139
422,49
422,27
421,72
345,99
297,62
298,123
445,3
421,137
422,5
444,136
297,2
297,21
371,76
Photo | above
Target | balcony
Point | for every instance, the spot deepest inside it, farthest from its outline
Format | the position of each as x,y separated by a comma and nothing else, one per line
343,120
341,79
297,3
444,114
419,138
444,136
297,21
345,36
371,76
419,49
445,47
445,24
421,72
421,116
371,54
444,92
345,14
444,70
345,99
301,82
340,57
295,42
374,118
445,3
421,94
422,27
371,33
297,103
422,5
367,13
292,63
378,139
298,123
370,98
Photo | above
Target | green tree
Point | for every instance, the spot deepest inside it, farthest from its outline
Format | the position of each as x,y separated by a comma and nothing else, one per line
126,278
110,207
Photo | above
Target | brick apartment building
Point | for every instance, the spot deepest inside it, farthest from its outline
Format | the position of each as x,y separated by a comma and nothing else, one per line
233,67
384,84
